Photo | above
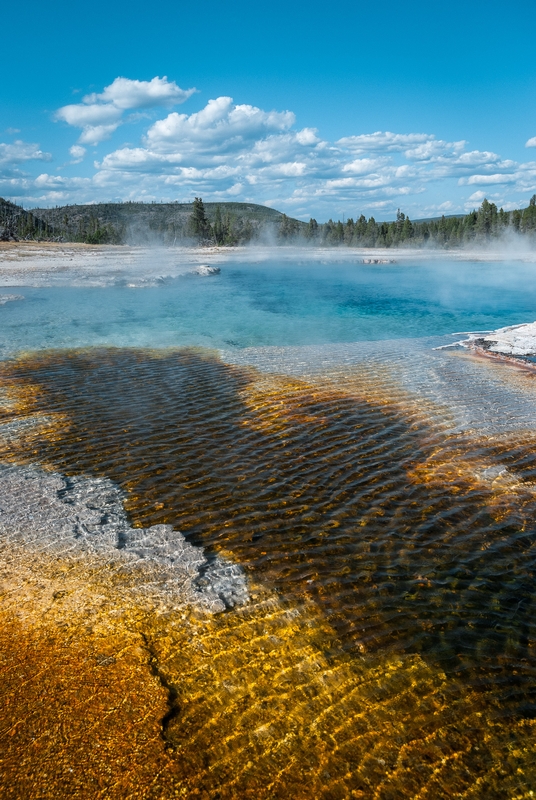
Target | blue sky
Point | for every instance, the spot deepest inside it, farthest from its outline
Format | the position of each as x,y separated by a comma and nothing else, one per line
311,108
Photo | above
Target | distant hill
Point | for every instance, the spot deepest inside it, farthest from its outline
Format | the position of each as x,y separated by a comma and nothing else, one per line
165,223
16,224
240,223
435,219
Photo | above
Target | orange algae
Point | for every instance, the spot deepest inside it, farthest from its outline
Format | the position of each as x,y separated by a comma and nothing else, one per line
81,710
396,657
261,710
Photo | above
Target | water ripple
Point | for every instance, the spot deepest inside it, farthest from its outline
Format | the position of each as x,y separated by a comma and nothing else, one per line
406,535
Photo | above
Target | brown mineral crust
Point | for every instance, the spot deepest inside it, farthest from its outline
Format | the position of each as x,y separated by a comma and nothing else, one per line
80,715
480,351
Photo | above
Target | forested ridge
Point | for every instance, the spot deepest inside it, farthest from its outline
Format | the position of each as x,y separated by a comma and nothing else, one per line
240,223
162,223
482,225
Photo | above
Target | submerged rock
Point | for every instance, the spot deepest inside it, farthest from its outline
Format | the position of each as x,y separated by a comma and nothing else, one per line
8,298
204,269
46,512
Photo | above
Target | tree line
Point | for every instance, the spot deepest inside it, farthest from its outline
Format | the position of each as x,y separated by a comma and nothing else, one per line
237,224
482,225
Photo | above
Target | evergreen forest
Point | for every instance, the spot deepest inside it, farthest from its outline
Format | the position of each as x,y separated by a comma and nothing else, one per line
229,224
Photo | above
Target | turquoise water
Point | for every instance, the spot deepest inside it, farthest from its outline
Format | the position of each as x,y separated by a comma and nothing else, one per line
251,305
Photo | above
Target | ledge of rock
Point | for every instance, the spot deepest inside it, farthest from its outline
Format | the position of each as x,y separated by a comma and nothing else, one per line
515,340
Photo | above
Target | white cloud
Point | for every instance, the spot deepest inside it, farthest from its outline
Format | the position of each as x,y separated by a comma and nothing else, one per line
53,181
364,166
307,136
434,150
124,93
98,122
77,153
235,189
531,142
475,157
20,151
99,115
484,180
80,116
477,197
242,151
221,125
384,140
93,134
226,149
136,158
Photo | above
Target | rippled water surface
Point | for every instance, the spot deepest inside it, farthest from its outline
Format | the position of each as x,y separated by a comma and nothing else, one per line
381,497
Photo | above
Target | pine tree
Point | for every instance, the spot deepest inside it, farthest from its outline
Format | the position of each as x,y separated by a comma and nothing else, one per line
312,229
407,230
219,232
199,223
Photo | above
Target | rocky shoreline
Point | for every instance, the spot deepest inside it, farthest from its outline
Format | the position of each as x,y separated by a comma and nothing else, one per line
514,344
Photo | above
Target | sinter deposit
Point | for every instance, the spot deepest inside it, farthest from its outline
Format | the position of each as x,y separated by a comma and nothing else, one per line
45,512
204,269
515,340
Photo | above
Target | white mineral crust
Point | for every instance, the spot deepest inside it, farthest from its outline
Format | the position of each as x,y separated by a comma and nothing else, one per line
44,512
516,340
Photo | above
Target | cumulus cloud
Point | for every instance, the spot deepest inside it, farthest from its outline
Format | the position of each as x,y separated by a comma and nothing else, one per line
125,94
476,197
235,150
99,115
484,180
82,116
135,158
531,142
77,153
435,150
364,166
384,140
239,150
221,125
93,134
20,151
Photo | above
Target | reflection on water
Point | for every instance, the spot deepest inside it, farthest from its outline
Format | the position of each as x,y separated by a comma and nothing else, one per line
391,651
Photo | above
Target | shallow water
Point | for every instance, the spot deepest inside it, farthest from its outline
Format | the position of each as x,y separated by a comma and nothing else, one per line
381,495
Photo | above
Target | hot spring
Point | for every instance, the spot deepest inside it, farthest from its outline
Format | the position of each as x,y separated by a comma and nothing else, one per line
297,422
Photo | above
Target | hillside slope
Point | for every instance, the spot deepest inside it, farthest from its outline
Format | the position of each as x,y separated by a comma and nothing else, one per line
16,223
166,223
